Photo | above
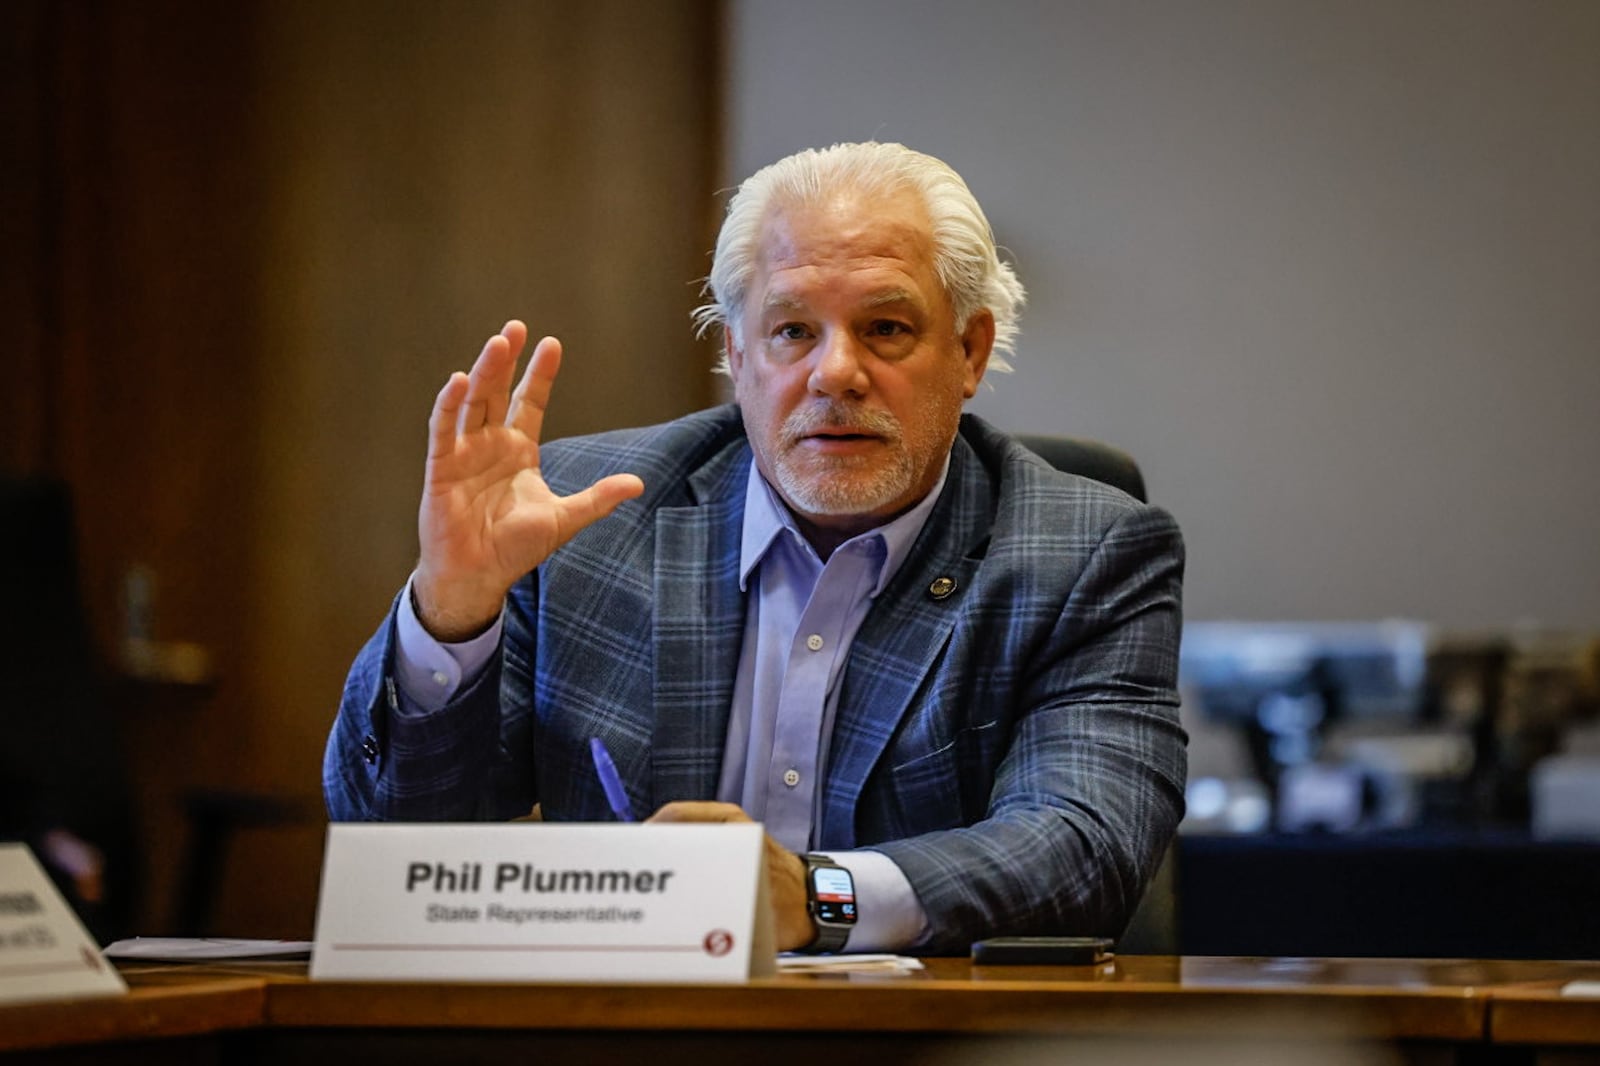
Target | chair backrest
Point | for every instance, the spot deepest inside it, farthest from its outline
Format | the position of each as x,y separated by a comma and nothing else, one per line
62,763
1088,458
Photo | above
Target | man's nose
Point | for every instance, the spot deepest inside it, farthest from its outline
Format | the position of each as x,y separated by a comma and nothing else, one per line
840,366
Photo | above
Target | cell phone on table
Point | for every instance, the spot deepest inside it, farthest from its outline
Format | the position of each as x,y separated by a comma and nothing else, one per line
1042,950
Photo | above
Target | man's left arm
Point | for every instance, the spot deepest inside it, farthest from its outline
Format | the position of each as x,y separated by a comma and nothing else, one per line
1090,791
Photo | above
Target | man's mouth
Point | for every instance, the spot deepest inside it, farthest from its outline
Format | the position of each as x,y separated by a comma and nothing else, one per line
840,433
837,439
840,428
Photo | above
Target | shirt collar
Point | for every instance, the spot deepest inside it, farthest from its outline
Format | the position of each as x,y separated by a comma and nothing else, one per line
766,517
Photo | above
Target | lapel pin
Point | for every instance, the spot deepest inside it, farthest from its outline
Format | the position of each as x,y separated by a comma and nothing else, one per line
942,587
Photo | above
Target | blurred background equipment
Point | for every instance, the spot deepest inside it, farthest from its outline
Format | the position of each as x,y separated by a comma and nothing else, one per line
1383,789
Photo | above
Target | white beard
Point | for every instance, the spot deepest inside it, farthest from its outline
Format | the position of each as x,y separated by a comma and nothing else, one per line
842,485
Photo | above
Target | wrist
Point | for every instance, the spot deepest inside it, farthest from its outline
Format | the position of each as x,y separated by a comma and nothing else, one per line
451,621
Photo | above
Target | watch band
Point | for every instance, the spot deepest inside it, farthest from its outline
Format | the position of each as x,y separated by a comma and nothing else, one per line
830,936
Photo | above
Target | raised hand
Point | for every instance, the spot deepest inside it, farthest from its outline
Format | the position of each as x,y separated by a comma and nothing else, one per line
487,516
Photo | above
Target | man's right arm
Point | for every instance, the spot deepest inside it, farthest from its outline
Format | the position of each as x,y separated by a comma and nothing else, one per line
428,673
398,752
487,518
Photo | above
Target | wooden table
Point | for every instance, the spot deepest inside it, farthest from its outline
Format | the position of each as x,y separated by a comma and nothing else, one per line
161,1005
1133,1009
1536,1013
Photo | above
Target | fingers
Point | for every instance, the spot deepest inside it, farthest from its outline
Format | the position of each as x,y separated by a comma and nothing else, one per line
468,402
699,811
786,888
446,415
785,871
529,402
489,384
515,332
585,508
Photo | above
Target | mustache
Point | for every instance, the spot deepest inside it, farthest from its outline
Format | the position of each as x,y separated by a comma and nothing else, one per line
832,414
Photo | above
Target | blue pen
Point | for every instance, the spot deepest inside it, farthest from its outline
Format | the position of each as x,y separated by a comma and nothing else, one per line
616,795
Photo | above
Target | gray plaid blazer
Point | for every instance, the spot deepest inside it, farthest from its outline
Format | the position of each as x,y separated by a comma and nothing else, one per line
1012,745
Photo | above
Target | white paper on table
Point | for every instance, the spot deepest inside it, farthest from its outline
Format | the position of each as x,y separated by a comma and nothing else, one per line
848,964
206,949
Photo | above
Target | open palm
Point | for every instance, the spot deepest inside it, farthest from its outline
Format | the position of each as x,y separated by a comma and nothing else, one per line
487,517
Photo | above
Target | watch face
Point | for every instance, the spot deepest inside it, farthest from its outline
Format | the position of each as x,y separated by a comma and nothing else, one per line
835,893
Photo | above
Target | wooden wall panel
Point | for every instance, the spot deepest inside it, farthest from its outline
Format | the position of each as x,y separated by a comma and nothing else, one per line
26,208
281,225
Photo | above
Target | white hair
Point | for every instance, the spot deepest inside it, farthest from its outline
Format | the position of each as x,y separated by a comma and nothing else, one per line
964,255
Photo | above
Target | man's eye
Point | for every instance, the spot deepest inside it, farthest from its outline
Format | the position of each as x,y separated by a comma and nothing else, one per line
886,328
791,331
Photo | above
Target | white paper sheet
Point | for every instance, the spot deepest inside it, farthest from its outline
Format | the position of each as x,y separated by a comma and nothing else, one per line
206,949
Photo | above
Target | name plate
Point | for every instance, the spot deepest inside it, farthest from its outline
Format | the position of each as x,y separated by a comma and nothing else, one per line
45,952
541,902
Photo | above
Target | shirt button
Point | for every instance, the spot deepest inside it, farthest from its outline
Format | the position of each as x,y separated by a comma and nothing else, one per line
791,777
814,642
441,678
369,748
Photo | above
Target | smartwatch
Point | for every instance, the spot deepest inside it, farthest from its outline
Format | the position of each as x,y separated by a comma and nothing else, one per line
831,902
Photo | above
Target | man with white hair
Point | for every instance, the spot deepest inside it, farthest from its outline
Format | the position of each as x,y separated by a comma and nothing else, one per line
840,606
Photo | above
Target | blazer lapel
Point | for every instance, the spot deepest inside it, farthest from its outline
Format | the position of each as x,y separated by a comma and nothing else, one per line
698,628
902,635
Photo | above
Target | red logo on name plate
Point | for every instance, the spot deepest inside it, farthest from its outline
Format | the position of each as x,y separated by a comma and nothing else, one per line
718,942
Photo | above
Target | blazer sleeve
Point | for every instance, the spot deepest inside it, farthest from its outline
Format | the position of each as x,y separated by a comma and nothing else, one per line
1089,792
384,762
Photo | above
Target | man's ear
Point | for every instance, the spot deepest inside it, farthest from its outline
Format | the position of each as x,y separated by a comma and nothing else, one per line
730,345
977,341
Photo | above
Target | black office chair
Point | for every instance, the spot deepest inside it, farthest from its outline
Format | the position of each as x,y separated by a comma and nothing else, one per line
1088,458
63,767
